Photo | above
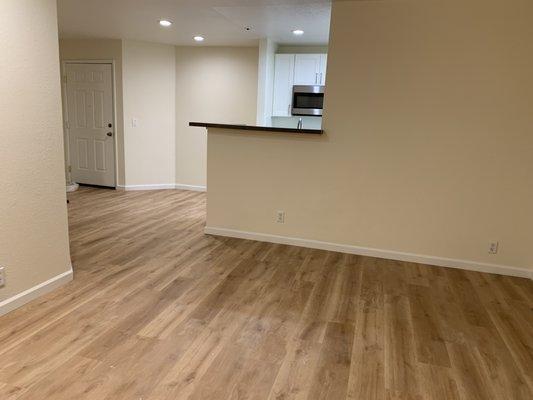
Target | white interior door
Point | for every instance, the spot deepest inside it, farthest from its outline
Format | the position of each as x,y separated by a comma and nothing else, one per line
90,123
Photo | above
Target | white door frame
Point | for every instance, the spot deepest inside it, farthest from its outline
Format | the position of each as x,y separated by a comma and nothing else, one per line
66,131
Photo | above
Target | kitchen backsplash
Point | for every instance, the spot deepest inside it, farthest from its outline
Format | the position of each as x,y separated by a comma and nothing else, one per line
292,122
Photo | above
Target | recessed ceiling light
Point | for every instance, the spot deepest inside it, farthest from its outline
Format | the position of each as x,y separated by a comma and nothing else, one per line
165,22
298,32
199,38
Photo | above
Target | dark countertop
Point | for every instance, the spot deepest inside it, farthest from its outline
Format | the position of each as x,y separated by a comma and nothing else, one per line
257,128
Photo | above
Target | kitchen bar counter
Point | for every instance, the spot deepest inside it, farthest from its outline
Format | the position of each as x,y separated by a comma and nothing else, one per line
258,128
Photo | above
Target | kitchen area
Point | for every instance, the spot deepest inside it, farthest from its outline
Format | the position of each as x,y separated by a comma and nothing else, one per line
292,82
288,85
291,89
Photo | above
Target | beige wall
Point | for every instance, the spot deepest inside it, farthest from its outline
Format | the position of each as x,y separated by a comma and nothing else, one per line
102,49
428,146
33,217
162,85
213,84
149,96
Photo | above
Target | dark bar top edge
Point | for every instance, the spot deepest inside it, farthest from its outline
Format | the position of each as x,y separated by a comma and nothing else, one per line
257,128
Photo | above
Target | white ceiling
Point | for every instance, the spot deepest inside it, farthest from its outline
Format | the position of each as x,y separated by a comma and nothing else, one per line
222,22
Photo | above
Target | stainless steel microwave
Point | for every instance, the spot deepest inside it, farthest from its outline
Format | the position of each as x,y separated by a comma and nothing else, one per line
308,100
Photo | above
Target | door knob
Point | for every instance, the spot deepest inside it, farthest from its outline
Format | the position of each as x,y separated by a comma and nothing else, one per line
109,133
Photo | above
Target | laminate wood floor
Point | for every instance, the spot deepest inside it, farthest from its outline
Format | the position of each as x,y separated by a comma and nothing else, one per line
158,310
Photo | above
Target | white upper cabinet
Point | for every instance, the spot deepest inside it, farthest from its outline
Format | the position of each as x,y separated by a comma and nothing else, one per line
323,68
310,69
283,82
307,69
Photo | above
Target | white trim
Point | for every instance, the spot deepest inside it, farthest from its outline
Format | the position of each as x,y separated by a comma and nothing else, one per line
371,252
162,186
37,291
158,186
194,188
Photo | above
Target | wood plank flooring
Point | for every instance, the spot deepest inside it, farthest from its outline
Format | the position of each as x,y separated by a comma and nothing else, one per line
158,310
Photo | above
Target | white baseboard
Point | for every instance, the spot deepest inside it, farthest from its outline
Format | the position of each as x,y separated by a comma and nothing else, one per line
158,186
162,186
35,292
194,188
371,252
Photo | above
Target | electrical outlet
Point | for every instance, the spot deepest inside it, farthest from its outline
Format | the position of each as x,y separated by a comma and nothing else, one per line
134,122
280,217
2,277
493,247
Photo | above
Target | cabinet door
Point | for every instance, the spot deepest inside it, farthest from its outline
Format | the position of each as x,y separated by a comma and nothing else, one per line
307,69
323,68
283,82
